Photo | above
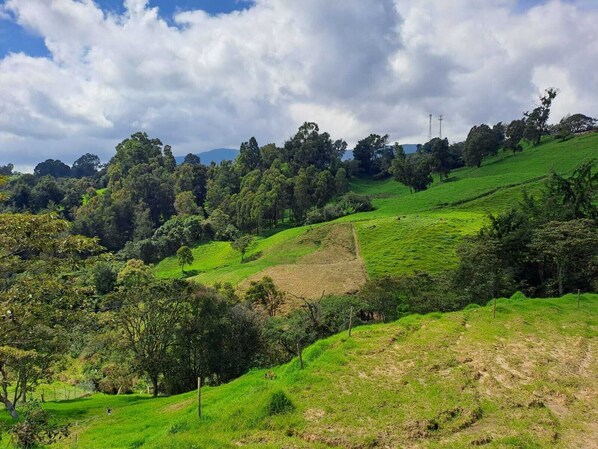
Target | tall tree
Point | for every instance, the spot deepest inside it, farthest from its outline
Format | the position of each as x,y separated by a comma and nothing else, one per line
413,171
148,320
536,121
439,156
51,167
368,151
87,165
570,249
514,133
40,298
249,156
481,142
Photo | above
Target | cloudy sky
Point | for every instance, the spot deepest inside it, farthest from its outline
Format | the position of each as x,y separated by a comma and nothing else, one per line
80,76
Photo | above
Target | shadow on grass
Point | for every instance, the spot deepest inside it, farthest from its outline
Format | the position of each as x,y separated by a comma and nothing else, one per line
189,273
252,257
281,227
450,179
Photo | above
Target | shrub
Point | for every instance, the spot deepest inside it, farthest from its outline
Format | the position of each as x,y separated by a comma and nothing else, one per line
348,204
35,428
279,404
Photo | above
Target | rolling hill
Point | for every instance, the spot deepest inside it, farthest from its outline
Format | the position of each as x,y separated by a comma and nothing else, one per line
406,232
525,379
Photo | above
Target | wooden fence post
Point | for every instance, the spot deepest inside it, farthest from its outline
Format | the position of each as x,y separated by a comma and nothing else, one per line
299,350
199,397
350,320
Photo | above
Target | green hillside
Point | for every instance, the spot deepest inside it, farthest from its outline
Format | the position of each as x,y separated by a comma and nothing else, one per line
406,232
526,379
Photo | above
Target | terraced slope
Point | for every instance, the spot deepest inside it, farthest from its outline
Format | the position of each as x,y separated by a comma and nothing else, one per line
526,379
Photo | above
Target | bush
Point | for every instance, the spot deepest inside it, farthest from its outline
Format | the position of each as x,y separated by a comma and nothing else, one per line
348,204
279,404
35,428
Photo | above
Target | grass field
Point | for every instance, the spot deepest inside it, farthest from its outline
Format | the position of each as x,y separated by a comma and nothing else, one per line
406,232
526,379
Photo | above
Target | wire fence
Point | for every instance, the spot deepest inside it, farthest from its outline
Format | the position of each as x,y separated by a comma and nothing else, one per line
62,392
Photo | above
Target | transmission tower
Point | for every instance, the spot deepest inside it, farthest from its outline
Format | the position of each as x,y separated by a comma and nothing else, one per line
430,129
440,129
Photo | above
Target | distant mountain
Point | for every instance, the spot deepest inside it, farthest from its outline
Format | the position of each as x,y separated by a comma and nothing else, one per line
410,148
216,155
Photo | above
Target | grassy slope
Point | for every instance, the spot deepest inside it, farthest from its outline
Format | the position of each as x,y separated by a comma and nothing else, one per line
527,379
431,225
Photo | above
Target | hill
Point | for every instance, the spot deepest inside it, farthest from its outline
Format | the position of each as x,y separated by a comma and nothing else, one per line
406,232
216,155
527,379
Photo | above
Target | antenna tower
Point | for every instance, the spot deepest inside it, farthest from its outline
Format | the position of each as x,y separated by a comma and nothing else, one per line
440,129
430,129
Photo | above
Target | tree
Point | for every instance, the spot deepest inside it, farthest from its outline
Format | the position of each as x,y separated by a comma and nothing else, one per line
135,272
148,321
7,169
569,250
249,156
87,165
51,167
185,257
573,124
481,142
536,121
185,204
40,297
368,151
341,182
265,293
440,156
241,244
573,197
104,277
514,133
192,159
413,171
310,147
481,275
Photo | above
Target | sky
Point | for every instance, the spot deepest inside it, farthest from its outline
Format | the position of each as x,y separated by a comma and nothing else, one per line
79,76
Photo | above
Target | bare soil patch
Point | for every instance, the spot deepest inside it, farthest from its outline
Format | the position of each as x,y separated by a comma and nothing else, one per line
334,268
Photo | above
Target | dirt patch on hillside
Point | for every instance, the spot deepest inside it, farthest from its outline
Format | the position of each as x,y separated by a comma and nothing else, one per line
334,268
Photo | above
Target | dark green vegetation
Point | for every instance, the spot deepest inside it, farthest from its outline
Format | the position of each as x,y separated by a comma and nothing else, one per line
526,379
297,246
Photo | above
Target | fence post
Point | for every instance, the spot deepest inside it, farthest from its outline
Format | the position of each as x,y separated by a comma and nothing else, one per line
494,309
350,320
199,397
299,350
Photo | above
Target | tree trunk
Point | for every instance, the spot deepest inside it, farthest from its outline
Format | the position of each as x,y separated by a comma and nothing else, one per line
10,407
559,269
155,385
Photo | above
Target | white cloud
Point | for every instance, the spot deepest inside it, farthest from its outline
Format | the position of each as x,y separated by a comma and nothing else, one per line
355,67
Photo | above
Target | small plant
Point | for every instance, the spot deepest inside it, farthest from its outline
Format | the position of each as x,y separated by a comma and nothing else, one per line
35,428
279,404
178,427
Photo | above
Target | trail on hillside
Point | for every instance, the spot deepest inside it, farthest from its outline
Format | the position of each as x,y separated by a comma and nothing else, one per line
335,267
